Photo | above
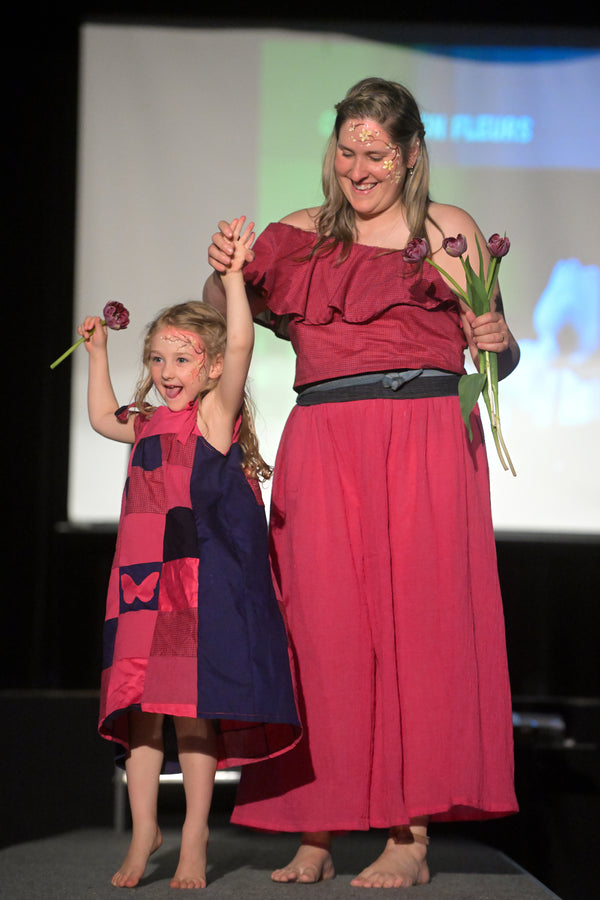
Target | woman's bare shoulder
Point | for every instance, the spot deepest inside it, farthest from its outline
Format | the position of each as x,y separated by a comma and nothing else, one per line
451,219
304,219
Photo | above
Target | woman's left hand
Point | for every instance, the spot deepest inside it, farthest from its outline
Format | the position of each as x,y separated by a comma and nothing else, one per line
489,331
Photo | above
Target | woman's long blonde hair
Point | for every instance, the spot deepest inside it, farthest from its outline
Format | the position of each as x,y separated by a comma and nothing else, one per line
395,109
210,325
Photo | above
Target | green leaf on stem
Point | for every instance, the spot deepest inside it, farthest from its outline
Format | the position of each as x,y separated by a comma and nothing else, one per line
479,300
469,389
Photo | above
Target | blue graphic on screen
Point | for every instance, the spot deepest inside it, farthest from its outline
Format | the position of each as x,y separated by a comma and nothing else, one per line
558,372
538,119
482,129
539,116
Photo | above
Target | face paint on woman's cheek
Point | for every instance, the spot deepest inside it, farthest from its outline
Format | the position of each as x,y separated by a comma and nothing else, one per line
392,165
369,133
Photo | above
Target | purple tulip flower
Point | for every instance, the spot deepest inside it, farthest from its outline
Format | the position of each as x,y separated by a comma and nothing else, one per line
115,315
415,250
455,246
498,246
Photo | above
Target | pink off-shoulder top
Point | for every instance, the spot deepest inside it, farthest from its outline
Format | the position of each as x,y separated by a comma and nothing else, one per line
371,312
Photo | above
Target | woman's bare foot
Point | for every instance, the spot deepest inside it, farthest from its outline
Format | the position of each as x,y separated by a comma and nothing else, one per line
401,864
311,863
191,869
144,842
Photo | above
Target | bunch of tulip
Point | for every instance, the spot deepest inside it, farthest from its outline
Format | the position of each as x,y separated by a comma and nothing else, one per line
477,296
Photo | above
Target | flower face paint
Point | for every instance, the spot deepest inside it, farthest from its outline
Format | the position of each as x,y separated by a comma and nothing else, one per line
368,166
379,143
177,365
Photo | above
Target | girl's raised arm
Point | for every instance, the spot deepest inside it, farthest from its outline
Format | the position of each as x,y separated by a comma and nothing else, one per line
229,392
102,402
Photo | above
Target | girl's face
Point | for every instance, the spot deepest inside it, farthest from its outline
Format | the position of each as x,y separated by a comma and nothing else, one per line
369,167
179,366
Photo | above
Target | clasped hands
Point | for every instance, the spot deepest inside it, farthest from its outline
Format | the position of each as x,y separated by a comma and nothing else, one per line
221,248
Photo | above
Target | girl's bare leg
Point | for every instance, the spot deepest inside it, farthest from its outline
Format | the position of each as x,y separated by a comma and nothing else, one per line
311,863
196,742
403,861
143,767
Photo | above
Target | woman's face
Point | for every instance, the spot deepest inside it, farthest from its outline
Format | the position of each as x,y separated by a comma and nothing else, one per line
369,167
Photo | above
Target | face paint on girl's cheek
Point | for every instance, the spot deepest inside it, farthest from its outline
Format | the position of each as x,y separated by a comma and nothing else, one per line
188,341
199,367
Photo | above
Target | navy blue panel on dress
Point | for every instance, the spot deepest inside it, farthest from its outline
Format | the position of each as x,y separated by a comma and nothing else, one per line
242,646
109,634
148,454
180,539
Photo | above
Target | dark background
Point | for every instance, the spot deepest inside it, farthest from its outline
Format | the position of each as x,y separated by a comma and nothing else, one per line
56,773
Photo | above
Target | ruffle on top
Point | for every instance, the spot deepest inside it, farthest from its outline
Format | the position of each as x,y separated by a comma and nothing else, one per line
370,281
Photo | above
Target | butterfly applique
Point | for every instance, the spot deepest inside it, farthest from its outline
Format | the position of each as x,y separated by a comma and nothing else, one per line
143,592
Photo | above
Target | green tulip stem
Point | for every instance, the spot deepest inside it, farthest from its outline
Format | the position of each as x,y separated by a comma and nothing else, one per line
455,285
66,353
489,383
73,347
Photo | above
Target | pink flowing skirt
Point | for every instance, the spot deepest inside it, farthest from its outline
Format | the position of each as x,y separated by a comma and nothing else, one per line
384,559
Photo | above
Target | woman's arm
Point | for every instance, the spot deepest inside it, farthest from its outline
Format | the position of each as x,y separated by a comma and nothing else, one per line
213,292
102,402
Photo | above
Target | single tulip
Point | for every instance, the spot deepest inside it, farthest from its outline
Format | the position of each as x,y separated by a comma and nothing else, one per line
455,246
115,317
498,246
415,250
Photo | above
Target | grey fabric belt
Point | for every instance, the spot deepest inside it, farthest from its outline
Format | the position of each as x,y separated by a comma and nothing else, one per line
401,384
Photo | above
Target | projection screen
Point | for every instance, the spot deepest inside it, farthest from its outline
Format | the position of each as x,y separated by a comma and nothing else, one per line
180,127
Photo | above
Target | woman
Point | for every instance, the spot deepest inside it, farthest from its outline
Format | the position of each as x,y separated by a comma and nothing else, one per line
382,543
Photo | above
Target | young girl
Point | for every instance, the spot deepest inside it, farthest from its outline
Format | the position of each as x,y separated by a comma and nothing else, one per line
196,669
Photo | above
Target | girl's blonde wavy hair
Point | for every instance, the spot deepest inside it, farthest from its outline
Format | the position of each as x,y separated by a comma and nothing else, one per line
210,325
395,109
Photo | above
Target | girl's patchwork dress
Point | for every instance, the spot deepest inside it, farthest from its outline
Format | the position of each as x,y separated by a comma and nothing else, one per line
192,624
384,556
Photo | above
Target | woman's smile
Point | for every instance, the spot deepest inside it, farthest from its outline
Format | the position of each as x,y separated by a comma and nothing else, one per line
362,187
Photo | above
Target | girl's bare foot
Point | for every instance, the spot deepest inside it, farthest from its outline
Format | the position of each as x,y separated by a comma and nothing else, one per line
401,864
191,869
311,863
144,842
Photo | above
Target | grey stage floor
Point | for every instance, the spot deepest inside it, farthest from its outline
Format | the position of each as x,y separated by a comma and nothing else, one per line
78,865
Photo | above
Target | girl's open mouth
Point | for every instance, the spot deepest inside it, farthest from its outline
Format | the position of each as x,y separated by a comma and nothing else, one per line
172,391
